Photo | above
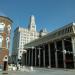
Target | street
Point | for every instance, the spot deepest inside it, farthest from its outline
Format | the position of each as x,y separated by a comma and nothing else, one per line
41,72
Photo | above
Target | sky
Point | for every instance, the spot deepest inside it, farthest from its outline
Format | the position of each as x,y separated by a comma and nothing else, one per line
49,14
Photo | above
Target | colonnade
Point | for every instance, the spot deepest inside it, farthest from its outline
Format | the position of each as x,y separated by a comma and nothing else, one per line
55,54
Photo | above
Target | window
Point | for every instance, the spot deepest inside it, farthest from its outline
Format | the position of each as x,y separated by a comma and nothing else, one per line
20,56
9,28
20,51
33,26
7,42
2,25
1,38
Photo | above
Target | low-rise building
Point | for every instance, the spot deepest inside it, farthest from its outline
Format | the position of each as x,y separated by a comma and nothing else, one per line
5,28
54,50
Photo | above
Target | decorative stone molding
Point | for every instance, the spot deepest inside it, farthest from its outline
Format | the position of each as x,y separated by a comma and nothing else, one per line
1,39
2,26
7,42
5,58
9,28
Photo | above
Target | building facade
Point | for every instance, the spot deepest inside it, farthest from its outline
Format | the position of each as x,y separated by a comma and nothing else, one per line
23,36
54,50
5,28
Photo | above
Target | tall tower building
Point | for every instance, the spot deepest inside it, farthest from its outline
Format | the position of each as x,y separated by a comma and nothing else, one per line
23,36
5,28
32,24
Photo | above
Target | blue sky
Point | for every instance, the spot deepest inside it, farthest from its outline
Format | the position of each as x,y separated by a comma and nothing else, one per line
49,14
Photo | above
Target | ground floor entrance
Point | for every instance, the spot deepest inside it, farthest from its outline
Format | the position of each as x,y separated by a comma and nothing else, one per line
5,66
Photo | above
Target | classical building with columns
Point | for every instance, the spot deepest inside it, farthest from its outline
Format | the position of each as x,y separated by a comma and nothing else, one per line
54,50
5,28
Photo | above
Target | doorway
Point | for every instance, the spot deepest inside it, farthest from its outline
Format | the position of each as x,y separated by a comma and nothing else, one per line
5,65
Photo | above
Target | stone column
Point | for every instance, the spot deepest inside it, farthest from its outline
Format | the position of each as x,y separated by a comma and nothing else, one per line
73,47
29,59
26,58
44,55
39,56
32,58
56,58
49,55
35,56
63,46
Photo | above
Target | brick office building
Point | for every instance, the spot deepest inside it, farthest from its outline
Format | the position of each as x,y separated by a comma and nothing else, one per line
5,28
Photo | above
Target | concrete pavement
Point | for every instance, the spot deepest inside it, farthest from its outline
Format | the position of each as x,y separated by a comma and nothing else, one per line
41,72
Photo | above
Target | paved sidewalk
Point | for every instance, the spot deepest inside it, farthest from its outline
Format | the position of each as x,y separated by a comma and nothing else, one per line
40,72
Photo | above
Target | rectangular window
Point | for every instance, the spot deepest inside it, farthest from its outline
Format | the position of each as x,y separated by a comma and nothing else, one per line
0,42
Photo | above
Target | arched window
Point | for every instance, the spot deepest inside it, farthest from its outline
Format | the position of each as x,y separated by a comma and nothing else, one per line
7,42
1,38
9,28
2,25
